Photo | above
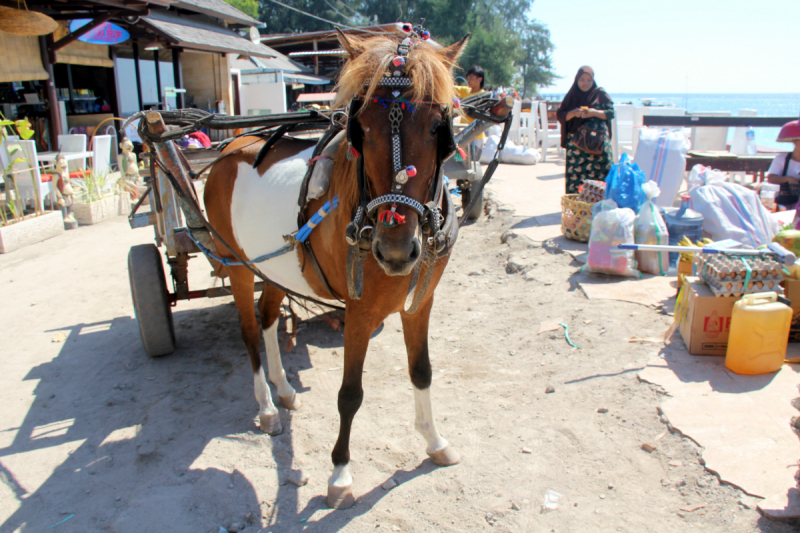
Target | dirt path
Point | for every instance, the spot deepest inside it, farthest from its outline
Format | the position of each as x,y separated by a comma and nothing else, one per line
95,432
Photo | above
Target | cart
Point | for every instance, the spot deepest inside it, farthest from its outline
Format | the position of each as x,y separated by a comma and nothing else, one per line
177,217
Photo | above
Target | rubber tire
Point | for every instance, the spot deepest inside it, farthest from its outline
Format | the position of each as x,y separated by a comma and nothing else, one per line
477,208
151,300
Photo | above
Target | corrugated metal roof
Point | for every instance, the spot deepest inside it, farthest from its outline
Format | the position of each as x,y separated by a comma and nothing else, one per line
194,34
219,9
279,62
308,79
311,53
297,38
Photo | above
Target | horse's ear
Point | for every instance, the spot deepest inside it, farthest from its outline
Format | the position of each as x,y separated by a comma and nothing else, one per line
454,51
354,46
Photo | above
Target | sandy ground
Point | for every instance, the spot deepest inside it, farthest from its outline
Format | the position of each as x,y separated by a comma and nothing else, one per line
94,432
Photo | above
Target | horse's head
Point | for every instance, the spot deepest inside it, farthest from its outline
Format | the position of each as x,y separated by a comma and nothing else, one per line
398,179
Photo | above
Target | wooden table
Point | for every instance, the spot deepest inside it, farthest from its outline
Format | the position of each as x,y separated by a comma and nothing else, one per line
728,162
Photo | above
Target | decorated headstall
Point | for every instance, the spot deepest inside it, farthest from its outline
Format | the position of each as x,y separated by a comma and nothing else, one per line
430,214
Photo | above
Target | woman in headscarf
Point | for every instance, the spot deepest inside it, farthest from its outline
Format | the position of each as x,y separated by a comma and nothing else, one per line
589,105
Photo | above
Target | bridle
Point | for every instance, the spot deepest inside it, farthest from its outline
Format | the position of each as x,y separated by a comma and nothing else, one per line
360,231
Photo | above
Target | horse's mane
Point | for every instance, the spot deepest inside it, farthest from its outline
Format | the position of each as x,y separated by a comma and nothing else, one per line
426,65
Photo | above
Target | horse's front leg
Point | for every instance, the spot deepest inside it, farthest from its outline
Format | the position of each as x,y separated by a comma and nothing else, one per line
357,329
415,331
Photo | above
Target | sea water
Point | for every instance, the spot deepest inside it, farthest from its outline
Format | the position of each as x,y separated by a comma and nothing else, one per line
770,105
774,105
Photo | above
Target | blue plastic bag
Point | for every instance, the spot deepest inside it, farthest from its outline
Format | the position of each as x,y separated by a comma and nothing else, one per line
624,184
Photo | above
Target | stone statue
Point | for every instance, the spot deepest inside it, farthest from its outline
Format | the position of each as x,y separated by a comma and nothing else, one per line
62,185
128,163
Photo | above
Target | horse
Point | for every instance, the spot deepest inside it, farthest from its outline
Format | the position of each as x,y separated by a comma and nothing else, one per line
384,242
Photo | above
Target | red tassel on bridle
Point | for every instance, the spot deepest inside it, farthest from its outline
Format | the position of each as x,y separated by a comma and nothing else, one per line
352,153
391,218
460,154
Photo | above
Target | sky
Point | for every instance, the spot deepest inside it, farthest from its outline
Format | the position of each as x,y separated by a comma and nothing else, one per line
676,46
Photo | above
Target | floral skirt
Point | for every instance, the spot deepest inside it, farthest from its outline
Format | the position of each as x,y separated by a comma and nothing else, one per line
582,166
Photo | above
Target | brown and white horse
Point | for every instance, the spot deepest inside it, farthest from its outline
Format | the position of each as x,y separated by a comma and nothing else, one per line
252,208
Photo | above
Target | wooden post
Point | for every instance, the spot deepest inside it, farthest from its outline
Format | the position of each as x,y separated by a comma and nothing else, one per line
176,73
138,77
159,96
316,60
71,89
50,91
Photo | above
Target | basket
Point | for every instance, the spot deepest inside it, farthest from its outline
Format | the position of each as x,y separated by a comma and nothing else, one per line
576,218
24,22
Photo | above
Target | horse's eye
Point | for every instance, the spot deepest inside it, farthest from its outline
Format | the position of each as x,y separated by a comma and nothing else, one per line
435,128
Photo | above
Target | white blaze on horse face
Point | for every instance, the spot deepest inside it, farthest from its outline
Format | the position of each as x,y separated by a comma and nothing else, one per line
424,421
274,364
263,210
266,407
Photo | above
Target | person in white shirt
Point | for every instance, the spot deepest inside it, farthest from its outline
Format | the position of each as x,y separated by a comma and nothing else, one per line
785,168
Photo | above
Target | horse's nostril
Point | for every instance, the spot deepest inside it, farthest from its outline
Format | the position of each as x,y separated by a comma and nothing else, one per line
415,250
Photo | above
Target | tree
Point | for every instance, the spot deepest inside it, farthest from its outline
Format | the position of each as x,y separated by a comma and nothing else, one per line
535,63
283,20
248,7
512,47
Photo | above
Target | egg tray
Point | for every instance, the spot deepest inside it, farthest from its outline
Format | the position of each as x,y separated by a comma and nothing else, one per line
726,275
592,191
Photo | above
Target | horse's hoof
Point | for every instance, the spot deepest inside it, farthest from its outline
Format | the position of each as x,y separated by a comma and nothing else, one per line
340,497
447,456
291,402
270,423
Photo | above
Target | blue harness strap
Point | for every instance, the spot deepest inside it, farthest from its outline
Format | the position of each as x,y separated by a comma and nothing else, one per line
291,240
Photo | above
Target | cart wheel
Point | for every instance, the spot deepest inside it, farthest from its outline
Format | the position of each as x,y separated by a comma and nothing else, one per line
150,300
466,197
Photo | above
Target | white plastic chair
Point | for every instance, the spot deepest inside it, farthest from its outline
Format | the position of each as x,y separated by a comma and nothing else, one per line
5,157
622,130
545,135
73,143
28,175
739,143
710,139
513,133
111,130
101,154
527,127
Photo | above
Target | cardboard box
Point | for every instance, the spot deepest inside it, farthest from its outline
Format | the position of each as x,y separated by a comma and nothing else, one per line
707,323
791,289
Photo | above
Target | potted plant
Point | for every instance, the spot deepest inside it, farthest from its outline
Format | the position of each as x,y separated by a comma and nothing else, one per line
98,198
18,228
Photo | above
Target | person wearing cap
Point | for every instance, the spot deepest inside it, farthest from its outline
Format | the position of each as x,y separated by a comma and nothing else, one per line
475,82
785,168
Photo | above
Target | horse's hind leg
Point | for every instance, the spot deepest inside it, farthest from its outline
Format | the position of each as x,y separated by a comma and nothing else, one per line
415,331
242,286
269,308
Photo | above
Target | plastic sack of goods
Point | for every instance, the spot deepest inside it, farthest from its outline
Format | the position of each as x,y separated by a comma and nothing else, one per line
661,154
730,211
649,228
611,226
512,153
624,184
